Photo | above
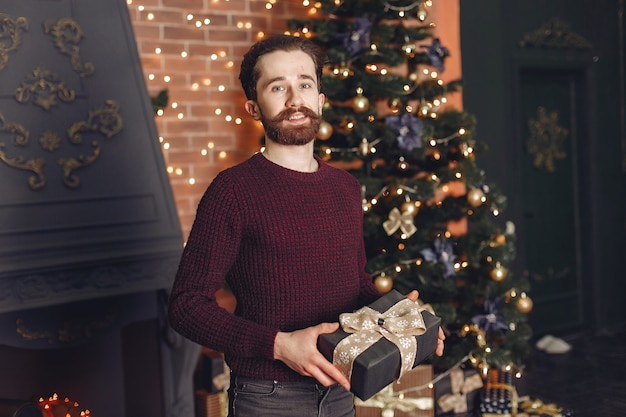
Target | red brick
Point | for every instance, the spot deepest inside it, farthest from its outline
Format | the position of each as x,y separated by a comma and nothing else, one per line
183,33
183,4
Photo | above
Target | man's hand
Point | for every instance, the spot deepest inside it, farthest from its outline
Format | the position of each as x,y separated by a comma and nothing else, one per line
413,296
298,350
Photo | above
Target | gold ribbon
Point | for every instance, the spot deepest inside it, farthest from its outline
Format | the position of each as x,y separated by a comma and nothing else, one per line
402,221
387,399
538,407
399,324
459,386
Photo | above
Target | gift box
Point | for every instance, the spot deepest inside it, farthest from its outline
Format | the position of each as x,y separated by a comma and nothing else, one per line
411,396
457,392
371,349
211,404
214,372
499,396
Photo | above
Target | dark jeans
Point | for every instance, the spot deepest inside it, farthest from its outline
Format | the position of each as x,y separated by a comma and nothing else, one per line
257,398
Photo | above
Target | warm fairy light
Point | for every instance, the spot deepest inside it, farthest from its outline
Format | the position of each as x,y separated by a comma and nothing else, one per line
180,116
167,78
159,112
207,21
150,16
191,181
170,170
140,8
222,155
157,51
195,86
174,104
218,112
213,57
198,24
206,81
228,118
458,175
166,145
151,77
238,121
230,64
204,152
221,88
189,16
178,171
184,54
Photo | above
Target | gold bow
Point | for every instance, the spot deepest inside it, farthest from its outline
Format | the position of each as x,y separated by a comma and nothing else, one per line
402,221
459,386
399,324
387,399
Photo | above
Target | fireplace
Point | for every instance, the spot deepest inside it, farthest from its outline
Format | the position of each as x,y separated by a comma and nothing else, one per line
89,233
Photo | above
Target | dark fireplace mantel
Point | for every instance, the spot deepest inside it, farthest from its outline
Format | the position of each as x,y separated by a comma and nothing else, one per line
89,233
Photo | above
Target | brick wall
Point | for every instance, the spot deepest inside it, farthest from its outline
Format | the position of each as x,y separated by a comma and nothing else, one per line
200,43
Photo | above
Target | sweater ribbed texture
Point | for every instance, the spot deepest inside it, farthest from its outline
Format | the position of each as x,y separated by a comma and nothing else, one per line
290,246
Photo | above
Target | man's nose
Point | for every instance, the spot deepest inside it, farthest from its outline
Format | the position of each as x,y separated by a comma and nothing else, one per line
294,98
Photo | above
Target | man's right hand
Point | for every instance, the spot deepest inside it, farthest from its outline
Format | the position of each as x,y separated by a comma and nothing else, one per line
298,350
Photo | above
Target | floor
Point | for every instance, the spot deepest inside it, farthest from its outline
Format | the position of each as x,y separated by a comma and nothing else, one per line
590,379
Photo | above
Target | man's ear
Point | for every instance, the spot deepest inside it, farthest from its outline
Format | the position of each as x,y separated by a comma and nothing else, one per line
322,99
253,109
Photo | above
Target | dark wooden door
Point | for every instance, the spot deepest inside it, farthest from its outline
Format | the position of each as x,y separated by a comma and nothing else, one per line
559,65
551,131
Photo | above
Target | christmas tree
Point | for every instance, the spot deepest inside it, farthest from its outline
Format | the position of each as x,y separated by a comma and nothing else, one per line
432,222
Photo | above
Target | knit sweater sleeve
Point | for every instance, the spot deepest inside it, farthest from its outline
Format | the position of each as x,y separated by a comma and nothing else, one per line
211,249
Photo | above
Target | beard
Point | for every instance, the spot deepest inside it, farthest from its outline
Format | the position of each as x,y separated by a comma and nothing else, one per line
294,135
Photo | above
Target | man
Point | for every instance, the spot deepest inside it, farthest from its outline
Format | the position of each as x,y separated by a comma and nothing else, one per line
284,231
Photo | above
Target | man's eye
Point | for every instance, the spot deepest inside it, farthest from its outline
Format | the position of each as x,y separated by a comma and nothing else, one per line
277,88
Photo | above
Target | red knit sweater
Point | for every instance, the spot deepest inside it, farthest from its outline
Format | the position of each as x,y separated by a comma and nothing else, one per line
290,246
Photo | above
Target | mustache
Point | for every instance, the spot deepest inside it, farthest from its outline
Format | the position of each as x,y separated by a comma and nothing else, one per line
287,113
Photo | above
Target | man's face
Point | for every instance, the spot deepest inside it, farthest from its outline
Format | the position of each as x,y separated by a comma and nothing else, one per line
288,102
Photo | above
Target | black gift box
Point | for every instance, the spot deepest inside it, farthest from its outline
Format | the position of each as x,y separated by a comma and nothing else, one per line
379,365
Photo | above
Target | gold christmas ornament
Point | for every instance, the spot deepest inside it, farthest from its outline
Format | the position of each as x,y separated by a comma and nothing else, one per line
500,239
395,104
499,272
383,283
524,303
475,197
325,131
360,103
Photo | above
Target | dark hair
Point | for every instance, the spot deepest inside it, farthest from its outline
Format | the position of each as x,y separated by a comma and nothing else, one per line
249,73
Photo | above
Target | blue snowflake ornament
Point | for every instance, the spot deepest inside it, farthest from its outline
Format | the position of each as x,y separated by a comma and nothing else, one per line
357,39
441,253
436,53
409,129
491,321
